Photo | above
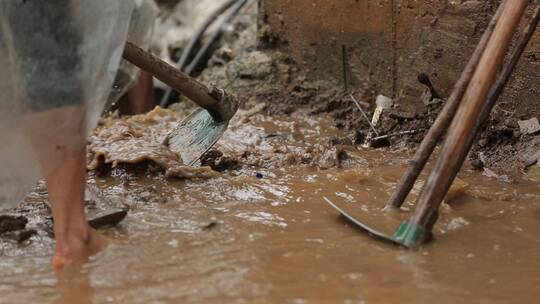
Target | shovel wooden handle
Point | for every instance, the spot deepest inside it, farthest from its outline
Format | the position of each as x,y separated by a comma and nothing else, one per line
455,147
171,76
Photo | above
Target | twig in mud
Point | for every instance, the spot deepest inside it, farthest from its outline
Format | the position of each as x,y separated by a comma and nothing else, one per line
346,88
364,114
398,134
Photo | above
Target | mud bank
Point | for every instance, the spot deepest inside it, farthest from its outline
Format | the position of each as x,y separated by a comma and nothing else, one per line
301,66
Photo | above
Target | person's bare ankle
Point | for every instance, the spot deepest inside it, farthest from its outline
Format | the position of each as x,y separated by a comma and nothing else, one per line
77,245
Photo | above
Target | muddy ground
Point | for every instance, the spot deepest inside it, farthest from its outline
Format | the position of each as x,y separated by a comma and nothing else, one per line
259,230
250,224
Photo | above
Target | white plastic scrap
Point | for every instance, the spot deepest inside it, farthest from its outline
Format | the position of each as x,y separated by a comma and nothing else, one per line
530,126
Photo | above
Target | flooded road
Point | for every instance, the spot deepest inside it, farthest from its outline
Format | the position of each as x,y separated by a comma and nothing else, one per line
262,233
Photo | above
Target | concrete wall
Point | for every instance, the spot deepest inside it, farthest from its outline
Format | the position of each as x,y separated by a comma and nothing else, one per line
389,41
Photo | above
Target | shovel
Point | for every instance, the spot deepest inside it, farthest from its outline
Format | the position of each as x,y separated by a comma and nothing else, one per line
466,116
201,129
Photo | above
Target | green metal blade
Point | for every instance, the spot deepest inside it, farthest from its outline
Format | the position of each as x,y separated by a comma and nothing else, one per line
195,135
371,231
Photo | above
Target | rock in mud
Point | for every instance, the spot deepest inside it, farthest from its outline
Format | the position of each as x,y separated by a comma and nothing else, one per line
255,65
332,157
477,164
10,223
531,159
218,162
458,188
139,139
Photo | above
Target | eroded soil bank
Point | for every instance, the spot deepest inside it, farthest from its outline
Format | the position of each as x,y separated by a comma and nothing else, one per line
259,231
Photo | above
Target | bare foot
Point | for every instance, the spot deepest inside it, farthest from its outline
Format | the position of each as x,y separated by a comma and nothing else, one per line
76,247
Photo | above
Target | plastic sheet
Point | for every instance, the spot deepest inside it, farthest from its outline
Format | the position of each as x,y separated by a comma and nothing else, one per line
58,61
140,32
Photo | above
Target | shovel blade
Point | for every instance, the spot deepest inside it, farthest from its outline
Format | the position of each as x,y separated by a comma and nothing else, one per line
362,226
195,135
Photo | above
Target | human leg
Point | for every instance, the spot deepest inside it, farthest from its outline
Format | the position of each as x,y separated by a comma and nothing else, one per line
75,239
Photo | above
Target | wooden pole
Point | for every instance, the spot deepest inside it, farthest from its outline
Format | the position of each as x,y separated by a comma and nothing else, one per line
456,146
417,164
508,68
171,76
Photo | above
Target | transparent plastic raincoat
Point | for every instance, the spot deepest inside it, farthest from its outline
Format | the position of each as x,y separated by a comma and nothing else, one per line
58,63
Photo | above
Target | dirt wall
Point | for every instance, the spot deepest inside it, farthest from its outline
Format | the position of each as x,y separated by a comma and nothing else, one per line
389,42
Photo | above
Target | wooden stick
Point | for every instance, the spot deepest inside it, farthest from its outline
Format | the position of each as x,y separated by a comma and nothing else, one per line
508,69
171,76
455,146
417,164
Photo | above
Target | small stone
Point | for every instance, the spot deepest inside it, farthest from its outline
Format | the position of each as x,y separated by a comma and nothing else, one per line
530,126
329,159
477,164
482,142
226,54
532,159
218,162
256,65
458,188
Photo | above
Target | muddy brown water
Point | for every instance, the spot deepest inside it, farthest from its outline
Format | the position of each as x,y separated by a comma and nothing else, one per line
263,233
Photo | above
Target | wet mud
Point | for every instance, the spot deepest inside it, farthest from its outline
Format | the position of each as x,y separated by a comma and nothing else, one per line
140,139
260,232
298,63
